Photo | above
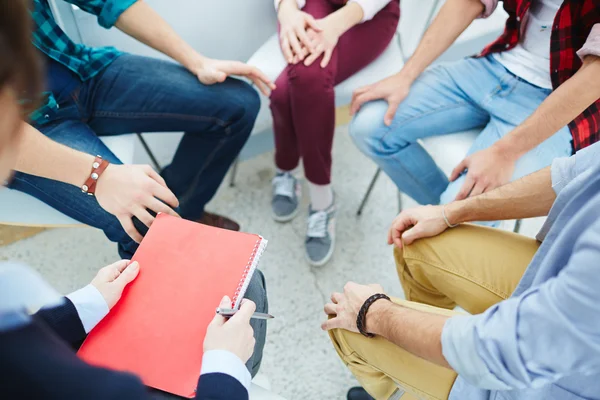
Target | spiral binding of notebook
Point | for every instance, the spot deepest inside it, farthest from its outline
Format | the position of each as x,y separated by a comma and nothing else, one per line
253,260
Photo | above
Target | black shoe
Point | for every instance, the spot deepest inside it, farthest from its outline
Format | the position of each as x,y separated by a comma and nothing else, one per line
358,393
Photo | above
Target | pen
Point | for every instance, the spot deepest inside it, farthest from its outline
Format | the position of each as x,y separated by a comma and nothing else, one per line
228,313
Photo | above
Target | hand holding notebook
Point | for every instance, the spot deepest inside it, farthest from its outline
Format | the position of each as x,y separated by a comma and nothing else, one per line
157,329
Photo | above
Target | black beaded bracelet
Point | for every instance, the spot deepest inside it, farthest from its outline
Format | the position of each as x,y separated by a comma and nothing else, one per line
361,318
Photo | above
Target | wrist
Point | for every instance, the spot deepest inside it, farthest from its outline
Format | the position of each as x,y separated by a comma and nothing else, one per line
376,317
192,61
344,18
286,7
509,148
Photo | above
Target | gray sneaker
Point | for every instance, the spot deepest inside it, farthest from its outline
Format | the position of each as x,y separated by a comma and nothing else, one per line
320,236
286,197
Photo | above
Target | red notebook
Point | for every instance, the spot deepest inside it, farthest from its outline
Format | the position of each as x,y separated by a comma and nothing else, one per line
157,329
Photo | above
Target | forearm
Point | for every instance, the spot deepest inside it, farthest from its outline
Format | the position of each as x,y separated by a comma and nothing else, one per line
141,22
562,106
530,196
417,332
41,156
346,17
454,17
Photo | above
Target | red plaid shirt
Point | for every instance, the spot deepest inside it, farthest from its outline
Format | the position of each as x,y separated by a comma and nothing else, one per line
572,25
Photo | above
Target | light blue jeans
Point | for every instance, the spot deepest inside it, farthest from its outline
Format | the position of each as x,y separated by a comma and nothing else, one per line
449,98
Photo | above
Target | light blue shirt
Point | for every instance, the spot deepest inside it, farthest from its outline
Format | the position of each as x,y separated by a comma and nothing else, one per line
543,343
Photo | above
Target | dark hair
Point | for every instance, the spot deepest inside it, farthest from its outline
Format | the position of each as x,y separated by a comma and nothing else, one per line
19,63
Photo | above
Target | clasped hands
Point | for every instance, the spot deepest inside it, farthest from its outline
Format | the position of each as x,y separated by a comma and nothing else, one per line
303,38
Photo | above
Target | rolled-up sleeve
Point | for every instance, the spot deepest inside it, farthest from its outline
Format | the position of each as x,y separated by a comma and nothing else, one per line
107,11
490,7
506,347
591,46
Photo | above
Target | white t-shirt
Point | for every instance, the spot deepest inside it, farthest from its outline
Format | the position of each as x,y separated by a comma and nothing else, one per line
530,59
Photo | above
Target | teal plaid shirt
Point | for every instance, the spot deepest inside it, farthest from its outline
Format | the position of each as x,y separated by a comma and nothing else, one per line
85,61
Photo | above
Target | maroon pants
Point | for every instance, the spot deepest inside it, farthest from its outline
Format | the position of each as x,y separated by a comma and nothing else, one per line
303,105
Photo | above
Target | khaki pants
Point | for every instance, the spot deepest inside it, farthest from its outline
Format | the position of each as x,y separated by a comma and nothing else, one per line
470,266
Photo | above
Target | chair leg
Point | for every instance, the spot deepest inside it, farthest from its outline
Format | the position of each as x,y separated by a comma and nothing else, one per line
234,169
368,193
517,226
149,152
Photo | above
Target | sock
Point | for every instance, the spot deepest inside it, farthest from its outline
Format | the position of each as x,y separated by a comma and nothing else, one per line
279,171
321,196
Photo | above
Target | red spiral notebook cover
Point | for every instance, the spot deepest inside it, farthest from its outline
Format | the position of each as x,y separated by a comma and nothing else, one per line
157,329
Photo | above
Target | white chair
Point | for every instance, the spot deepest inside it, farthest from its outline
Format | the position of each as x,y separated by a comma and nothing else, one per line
20,209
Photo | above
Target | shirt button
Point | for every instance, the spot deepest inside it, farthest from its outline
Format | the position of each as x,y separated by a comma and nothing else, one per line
46,116
555,71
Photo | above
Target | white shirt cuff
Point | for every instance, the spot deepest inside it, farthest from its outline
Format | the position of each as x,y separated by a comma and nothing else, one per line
459,347
225,362
370,7
90,305
301,4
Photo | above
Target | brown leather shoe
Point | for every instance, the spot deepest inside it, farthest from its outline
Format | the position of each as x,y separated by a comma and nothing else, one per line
218,221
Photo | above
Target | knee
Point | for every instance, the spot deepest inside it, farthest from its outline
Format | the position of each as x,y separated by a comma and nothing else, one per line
280,97
367,128
311,79
245,103
257,292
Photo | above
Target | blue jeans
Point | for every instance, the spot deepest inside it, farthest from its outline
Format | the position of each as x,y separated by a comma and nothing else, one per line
140,94
449,98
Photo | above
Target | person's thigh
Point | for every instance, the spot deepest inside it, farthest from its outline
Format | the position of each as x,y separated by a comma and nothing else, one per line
68,199
363,43
142,94
437,104
471,266
381,366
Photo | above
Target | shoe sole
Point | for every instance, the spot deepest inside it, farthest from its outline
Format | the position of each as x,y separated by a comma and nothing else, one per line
285,218
325,260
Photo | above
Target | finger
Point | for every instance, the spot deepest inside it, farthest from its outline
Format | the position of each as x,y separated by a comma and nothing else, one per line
244,313
295,44
155,175
412,234
314,55
330,309
362,99
326,58
466,188
218,318
128,275
128,226
264,89
285,48
313,23
144,216
456,172
305,40
165,194
477,189
390,113
332,323
120,265
337,297
159,207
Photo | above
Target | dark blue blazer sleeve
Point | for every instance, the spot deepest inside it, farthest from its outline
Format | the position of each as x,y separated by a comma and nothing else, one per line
220,387
36,364
64,322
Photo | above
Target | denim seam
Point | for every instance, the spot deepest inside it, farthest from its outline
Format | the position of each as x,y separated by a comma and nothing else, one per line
404,122
220,122
460,275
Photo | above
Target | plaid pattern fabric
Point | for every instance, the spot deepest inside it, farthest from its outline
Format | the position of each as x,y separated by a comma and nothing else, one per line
572,25
85,61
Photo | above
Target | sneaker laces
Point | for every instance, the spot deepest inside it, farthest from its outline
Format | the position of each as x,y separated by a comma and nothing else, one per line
317,225
284,185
